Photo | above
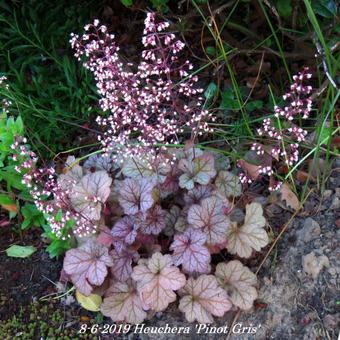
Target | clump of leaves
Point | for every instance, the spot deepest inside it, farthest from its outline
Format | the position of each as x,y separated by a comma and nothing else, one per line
151,245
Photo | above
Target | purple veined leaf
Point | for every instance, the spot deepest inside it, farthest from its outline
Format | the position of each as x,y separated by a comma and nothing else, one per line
153,221
100,162
136,195
200,170
228,184
87,265
72,174
90,193
171,218
170,184
147,166
202,298
123,304
105,237
197,194
157,279
122,263
125,230
137,167
189,251
175,220
209,217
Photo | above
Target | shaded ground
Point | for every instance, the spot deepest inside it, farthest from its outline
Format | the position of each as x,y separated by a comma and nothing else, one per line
24,280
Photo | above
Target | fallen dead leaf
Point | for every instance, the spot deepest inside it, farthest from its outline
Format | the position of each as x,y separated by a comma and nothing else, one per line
302,176
288,195
251,169
10,207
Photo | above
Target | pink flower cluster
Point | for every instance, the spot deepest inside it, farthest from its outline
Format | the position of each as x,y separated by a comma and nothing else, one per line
49,196
285,140
150,104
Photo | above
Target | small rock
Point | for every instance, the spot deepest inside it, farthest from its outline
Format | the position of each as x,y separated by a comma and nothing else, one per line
331,322
68,300
332,271
337,192
313,265
335,203
327,193
310,231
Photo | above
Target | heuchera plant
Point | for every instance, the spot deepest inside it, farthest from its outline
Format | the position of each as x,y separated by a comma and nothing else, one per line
148,219
154,244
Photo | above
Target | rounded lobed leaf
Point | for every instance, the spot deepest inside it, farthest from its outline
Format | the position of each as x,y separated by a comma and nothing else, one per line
228,184
202,298
136,195
125,230
239,282
153,221
199,170
251,235
72,174
87,265
189,251
90,193
157,279
122,263
209,217
123,303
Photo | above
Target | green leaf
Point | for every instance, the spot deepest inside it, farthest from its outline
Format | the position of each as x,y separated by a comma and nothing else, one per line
254,105
58,247
19,126
211,50
211,91
33,217
20,251
6,200
284,8
12,178
160,5
325,8
229,102
324,133
127,3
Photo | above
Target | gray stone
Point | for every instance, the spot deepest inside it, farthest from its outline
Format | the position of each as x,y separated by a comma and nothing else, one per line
310,231
332,271
337,192
335,203
331,322
327,193
312,265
